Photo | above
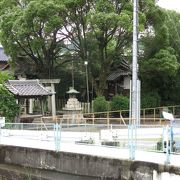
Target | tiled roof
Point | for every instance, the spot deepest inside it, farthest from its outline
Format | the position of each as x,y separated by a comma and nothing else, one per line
115,75
3,56
26,88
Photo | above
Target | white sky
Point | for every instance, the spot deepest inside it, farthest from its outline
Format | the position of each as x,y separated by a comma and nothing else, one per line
170,4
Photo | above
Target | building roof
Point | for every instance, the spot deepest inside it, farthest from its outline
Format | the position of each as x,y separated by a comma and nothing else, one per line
115,75
26,88
3,56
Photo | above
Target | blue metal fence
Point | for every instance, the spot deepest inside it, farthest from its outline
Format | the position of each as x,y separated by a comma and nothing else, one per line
163,139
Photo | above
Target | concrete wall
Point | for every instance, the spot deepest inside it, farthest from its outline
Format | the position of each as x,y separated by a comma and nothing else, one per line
79,164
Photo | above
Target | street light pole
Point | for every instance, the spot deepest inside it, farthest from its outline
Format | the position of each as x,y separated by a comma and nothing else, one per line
135,85
134,63
87,84
72,73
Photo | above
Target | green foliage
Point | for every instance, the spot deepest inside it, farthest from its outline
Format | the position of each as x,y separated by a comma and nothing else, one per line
4,76
100,104
163,63
159,65
151,99
33,34
8,107
102,33
35,39
120,102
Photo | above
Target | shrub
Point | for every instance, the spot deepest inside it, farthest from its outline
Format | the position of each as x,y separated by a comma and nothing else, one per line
120,102
151,99
8,106
100,104
4,76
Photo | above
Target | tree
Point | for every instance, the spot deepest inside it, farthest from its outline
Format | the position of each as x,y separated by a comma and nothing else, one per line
29,32
100,32
159,65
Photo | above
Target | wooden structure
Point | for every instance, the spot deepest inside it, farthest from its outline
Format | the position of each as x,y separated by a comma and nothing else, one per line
50,85
24,90
119,83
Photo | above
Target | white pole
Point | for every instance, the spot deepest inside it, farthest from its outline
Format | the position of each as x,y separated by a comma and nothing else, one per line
134,100
138,102
87,85
130,102
134,63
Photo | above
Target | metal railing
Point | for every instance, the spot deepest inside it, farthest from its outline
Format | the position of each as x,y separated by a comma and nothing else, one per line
121,117
154,138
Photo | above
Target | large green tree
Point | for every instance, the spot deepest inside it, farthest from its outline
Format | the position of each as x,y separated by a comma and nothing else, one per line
101,32
29,33
159,68
45,34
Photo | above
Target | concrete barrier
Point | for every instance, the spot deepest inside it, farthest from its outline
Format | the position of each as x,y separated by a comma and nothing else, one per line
80,164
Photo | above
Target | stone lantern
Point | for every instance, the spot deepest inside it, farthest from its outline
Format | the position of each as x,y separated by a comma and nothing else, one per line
72,112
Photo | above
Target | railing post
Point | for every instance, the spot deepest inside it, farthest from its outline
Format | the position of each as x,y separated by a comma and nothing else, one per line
108,119
144,115
132,141
119,117
93,118
154,115
57,136
174,111
168,144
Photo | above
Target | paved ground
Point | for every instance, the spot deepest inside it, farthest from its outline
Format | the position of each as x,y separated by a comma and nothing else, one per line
42,140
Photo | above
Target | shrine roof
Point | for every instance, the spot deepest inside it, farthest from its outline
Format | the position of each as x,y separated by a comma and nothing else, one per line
27,88
115,75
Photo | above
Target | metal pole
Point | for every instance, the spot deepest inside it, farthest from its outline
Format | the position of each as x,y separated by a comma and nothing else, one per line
134,99
138,102
92,97
87,84
72,72
57,136
130,103
134,64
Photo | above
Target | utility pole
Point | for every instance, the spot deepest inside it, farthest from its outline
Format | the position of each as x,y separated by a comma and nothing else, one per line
135,87
87,85
134,64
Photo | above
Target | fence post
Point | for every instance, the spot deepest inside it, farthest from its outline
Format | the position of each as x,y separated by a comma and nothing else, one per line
168,144
144,115
108,119
120,117
132,141
173,110
57,136
154,114
93,118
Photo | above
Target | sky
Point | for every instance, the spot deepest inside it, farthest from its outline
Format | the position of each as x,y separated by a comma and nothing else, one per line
170,4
